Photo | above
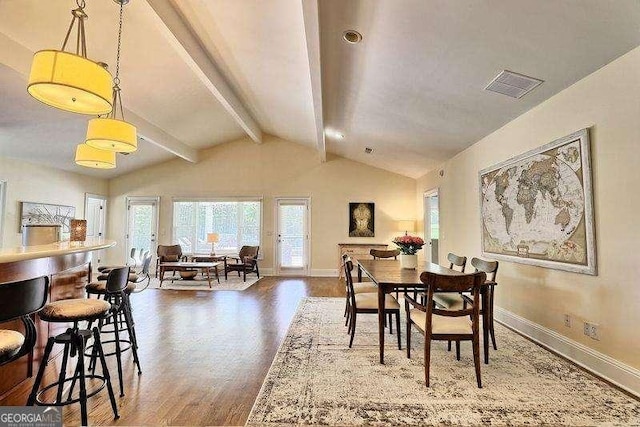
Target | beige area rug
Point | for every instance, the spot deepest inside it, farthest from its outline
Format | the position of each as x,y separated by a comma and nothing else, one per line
234,283
316,379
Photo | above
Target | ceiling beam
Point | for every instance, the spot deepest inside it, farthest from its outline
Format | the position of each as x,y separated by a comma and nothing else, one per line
17,57
188,46
312,34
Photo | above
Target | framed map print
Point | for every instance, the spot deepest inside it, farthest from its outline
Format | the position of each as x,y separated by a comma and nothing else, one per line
537,208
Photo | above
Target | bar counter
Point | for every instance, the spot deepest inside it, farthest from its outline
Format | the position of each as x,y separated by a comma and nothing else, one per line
68,266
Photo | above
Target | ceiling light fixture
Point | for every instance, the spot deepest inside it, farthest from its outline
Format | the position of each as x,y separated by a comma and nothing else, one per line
112,133
352,36
91,157
68,81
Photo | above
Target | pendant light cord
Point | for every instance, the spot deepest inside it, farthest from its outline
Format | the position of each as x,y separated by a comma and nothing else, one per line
116,80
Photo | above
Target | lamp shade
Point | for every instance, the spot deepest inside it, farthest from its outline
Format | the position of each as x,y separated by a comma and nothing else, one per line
213,237
94,158
112,135
407,225
78,230
70,82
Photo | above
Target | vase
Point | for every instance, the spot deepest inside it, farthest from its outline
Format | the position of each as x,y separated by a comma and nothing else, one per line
409,262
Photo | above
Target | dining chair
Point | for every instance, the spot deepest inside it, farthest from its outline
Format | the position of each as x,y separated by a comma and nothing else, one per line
367,303
385,254
446,300
446,325
491,269
358,288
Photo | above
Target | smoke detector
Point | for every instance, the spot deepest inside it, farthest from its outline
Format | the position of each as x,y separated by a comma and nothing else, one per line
513,84
368,150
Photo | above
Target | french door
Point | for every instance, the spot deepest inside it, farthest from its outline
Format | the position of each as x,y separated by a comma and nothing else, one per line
292,236
95,212
142,224
432,224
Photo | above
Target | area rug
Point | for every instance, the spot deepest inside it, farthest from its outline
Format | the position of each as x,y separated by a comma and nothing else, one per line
315,379
232,284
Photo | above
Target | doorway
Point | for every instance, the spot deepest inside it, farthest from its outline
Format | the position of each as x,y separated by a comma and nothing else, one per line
95,212
292,236
142,224
432,224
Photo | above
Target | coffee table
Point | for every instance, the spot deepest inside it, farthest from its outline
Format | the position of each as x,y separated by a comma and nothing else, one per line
204,267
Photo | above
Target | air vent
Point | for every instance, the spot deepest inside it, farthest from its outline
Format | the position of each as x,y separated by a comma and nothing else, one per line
368,150
513,84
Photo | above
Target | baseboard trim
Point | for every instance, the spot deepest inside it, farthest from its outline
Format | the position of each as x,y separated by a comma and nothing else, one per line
327,272
606,367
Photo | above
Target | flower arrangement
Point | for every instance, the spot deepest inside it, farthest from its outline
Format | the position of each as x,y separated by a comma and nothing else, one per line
409,245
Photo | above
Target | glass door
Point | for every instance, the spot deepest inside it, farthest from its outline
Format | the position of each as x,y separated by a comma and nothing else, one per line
142,224
95,212
292,243
432,223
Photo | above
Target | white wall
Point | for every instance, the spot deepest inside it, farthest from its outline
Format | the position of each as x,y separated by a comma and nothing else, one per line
35,183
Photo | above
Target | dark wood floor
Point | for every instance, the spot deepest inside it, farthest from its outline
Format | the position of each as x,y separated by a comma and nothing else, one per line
204,354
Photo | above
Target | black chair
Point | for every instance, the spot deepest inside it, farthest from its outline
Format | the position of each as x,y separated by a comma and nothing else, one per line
19,300
74,339
245,262
116,290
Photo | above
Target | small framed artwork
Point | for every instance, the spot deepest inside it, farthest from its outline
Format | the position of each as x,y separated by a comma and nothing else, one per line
361,219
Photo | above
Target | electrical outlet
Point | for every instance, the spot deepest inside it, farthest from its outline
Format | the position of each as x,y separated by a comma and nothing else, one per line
567,320
587,329
594,332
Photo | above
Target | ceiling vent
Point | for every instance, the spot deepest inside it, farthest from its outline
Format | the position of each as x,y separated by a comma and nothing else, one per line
368,150
513,84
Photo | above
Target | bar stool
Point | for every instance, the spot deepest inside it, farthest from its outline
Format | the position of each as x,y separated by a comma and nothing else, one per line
74,340
18,300
116,290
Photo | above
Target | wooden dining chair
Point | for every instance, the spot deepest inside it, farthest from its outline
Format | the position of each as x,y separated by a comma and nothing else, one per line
446,325
491,269
445,300
358,288
367,303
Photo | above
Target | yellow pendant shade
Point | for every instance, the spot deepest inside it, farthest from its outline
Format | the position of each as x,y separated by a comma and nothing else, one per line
112,135
70,82
94,158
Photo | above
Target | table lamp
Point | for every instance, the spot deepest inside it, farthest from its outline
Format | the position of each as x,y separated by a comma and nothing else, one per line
407,225
213,238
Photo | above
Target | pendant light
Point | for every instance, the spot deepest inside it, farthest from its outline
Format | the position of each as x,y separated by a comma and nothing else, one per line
95,158
68,81
113,133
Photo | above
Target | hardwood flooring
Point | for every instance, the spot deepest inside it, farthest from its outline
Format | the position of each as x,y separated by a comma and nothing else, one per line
204,354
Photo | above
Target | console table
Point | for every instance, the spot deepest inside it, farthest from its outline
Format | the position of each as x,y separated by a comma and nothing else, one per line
356,251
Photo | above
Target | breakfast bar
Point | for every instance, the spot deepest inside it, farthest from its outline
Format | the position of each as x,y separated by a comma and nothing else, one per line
68,266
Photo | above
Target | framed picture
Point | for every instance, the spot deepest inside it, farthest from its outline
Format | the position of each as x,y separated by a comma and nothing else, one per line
43,213
537,208
362,219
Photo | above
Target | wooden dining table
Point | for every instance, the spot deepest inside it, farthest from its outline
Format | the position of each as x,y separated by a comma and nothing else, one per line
389,276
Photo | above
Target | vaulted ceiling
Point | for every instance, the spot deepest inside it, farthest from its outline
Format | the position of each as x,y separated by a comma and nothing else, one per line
196,73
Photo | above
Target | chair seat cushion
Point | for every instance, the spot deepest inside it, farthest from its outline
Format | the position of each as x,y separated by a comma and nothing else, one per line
132,277
100,287
365,287
10,342
448,300
74,309
370,301
441,324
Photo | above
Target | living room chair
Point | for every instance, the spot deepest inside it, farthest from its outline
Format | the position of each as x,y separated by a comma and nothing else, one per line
168,253
446,325
246,262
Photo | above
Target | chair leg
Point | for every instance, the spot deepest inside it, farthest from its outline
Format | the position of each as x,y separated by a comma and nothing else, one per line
390,324
398,330
105,372
491,329
476,358
408,338
130,328
43,364
457,350
83,386
354,317
449,346
63,372
427,358
118,353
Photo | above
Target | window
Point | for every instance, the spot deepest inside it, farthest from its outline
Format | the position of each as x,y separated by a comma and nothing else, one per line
237,222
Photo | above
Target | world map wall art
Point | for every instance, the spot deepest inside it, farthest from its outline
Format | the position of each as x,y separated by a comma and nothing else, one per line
537,208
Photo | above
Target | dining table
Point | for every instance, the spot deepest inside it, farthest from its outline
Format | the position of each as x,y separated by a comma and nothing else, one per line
389,276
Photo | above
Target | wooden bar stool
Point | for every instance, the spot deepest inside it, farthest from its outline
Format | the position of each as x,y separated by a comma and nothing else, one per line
116,290
74,340
18,300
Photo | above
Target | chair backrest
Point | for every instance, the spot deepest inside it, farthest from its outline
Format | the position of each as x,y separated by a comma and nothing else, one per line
22,298
117,280
169,252
348,268
377,253
132,254
458,261
444,283
146,262
248,251
489,267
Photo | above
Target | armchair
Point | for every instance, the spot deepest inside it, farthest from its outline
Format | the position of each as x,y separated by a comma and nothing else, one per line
168,253
245,262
